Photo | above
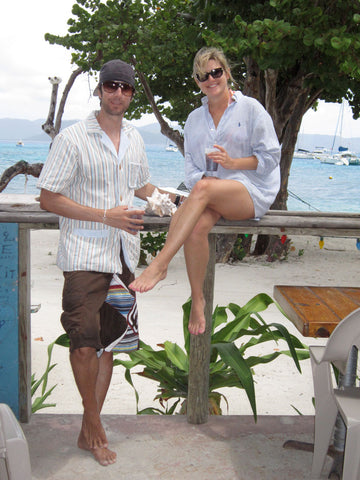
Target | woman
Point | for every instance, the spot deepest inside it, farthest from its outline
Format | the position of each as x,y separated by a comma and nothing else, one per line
246,183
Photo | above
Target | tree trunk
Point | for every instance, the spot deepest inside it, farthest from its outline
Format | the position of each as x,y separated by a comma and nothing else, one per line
49,127
261,245
224,246
278,248
289,140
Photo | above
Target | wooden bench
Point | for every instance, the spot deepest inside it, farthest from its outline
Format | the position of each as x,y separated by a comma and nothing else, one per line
21,217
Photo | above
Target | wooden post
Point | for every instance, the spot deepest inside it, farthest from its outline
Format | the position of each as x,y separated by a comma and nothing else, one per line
24,324
198,389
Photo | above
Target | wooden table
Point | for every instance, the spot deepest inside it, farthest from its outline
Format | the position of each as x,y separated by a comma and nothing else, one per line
315,311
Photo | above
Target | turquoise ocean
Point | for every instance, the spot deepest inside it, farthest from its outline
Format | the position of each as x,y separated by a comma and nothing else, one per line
312,185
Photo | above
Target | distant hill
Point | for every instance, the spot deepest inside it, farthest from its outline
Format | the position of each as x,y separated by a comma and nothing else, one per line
310,142
14,129
30,130
151,134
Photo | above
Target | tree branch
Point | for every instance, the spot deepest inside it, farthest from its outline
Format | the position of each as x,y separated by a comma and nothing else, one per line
172,134
64,96
19,168
48,126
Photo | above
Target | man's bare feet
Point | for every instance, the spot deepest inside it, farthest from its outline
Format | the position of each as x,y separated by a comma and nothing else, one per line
197,322
102,455
148,279
92,431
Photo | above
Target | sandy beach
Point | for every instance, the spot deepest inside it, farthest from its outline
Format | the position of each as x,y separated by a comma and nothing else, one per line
280,388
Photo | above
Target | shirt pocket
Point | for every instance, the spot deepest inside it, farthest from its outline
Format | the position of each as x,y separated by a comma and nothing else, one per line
133,172
238,142
91,233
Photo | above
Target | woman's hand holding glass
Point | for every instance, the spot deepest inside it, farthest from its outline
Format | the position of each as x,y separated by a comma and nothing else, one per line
221,157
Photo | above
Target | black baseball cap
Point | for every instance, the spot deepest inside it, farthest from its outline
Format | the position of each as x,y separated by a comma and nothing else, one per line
116,71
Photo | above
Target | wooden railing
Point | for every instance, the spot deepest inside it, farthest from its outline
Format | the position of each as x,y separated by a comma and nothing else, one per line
27,216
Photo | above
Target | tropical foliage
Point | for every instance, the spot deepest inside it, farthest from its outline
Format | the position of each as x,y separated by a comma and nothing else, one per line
38,402
150,244
234,331
286,53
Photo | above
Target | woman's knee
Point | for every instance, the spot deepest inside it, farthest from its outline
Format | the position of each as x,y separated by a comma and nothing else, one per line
201,188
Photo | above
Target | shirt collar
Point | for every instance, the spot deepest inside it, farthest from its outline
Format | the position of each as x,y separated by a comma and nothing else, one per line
92,125
235,98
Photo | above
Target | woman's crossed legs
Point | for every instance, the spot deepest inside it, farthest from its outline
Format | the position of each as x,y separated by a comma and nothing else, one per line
210,199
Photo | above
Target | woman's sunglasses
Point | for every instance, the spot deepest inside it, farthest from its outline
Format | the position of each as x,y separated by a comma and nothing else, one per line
111,87
215,73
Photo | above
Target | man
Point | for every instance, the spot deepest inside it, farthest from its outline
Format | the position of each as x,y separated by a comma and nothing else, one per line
91,175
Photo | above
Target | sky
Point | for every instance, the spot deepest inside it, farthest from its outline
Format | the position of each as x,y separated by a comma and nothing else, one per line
27,61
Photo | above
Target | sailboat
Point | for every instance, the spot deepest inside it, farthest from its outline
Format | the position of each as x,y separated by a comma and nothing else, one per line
302,153
344,156
170,147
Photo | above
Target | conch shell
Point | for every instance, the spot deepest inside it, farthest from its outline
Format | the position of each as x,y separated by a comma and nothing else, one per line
160,204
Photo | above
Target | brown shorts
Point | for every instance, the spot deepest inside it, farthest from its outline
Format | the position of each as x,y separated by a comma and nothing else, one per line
87,320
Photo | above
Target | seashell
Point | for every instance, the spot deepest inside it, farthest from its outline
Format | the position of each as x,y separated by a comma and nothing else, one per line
160,204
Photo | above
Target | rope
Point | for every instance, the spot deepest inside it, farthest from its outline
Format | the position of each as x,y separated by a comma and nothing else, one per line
293,195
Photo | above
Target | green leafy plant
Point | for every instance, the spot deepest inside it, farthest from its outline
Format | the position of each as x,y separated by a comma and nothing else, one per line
238,251
39,402
234,330
151,243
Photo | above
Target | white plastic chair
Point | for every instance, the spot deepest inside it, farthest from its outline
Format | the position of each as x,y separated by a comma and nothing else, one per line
14,452
329,400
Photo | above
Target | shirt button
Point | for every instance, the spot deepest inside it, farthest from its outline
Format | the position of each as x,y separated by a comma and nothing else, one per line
121,198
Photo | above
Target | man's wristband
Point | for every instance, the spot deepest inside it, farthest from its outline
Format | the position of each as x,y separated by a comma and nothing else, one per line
177,200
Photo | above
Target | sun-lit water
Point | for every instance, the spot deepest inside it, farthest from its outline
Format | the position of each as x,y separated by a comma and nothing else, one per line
322,186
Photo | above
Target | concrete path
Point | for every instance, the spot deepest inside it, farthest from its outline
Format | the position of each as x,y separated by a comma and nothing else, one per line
167,447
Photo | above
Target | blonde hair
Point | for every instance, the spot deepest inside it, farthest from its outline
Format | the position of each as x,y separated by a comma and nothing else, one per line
210,53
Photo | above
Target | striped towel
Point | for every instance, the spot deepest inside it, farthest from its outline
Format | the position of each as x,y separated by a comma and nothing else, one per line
125,303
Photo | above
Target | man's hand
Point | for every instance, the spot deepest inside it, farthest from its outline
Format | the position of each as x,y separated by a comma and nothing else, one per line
128,219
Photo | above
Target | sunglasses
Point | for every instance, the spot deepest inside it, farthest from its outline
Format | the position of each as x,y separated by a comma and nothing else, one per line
111,87
215,73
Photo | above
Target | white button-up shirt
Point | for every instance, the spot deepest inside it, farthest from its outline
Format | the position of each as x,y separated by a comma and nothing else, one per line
83,165
245,129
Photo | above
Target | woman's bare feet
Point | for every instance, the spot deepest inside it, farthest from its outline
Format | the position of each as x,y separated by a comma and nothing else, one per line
101,454
197,322
148,279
